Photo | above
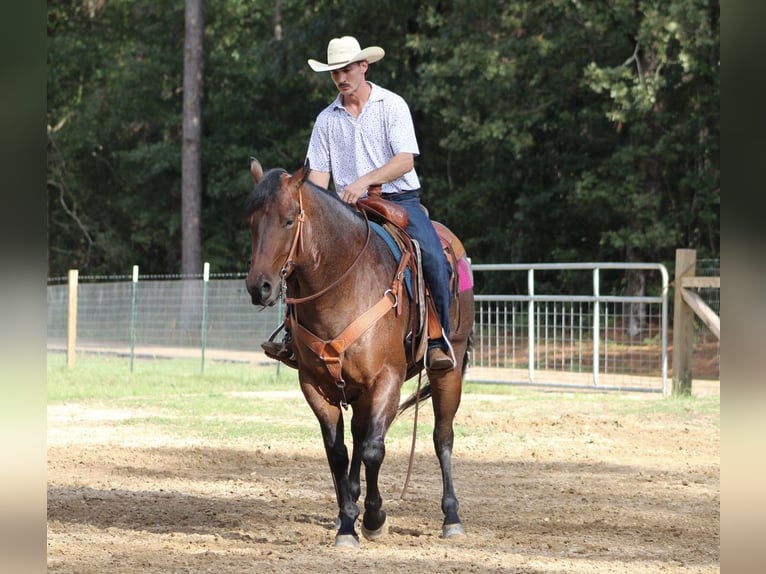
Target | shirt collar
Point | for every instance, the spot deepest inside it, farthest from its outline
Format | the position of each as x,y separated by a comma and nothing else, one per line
376,94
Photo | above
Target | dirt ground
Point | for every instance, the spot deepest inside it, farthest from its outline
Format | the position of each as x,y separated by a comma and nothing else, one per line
549,487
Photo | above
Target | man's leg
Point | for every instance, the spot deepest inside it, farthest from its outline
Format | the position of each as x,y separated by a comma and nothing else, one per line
437,275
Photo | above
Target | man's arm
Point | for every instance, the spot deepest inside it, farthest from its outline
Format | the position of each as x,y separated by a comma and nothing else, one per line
396,167
320,178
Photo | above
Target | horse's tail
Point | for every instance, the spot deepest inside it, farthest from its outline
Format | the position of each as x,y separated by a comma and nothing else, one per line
414,398
424,393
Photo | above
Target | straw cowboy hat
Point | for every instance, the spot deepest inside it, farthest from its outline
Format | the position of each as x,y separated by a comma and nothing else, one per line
345,50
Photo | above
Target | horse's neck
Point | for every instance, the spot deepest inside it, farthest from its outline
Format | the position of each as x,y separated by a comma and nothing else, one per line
333,237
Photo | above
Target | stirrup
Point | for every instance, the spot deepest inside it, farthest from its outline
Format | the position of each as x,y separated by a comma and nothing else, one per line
443,360
282,351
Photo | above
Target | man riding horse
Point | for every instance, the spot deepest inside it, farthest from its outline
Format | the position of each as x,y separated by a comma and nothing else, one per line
366,139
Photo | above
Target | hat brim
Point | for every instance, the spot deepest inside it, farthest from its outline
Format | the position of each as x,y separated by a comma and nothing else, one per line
371,54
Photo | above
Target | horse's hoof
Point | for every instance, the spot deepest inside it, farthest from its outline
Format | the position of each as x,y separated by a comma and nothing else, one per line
346,541
452,530
377,533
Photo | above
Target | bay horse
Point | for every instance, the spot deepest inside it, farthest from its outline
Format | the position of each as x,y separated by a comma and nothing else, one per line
321,256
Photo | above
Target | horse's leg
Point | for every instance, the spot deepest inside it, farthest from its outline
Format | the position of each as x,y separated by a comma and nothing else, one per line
446,392
330,420
359,423
385,401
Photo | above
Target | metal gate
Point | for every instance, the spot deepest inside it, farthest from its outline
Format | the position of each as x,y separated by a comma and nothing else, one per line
590,340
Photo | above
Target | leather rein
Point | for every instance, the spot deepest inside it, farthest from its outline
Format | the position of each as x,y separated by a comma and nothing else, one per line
331,351
289,264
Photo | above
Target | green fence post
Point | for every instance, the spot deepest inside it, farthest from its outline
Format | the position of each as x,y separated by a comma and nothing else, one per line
205,280
71,333
280,313
133,317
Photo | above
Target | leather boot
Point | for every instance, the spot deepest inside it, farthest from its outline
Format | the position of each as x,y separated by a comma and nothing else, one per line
282,351
439,359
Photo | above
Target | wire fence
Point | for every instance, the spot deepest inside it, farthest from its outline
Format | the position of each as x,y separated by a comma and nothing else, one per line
564,336
156,317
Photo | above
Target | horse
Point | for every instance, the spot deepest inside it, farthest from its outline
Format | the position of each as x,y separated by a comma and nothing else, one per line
319,254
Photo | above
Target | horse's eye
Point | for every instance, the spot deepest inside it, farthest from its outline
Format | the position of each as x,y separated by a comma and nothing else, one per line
289,222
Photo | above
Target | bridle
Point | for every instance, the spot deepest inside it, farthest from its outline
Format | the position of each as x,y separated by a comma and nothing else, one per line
289,264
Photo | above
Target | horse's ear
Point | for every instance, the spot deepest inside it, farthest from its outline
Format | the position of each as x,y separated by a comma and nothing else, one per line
303,173
256,170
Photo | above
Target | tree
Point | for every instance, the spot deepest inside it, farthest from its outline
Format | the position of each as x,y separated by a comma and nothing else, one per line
663,176
114,137
553,146
191,150
662,99
509,125
549,131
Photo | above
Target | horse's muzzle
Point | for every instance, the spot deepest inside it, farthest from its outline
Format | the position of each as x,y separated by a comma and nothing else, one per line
262,291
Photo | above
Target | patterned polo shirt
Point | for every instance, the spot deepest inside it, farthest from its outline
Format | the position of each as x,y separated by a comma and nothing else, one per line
350,147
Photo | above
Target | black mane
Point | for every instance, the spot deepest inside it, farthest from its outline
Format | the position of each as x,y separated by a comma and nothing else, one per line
265,191
268,187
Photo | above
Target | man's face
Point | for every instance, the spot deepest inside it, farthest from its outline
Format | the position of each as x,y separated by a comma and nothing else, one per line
349,78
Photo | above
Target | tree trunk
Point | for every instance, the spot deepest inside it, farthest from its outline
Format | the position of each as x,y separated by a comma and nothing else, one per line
191,170
636,312
191,151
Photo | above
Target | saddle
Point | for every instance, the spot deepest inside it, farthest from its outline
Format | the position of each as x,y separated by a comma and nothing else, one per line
424,321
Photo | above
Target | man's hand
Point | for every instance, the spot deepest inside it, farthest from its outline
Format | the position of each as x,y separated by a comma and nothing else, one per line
351,193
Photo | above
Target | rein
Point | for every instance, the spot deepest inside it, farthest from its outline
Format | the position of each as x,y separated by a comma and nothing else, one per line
289,264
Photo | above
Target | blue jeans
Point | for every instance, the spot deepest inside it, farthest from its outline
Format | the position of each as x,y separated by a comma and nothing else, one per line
436,269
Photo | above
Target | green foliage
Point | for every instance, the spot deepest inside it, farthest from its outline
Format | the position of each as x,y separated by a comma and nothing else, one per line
662,180
114,108
549,131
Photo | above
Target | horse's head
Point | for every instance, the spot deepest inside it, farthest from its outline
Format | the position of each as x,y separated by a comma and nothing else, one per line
274,213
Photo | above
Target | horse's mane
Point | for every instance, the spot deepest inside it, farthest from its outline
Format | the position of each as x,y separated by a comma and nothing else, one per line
264,192
350,214
268,187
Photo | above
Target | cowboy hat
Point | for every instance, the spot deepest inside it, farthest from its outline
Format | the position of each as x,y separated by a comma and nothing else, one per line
345,50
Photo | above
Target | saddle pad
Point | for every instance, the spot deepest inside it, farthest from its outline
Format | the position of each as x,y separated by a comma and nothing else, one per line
396,252
465,274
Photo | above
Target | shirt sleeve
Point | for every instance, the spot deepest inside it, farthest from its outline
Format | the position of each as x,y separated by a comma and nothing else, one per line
318,152
401,129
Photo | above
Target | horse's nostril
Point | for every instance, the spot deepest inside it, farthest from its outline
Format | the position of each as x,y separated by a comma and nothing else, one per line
260,289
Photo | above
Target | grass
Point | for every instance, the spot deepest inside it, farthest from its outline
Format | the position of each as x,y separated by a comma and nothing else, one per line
181,401
235,400
98,377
